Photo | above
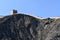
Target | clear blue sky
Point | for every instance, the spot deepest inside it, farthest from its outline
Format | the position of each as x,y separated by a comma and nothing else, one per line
42,8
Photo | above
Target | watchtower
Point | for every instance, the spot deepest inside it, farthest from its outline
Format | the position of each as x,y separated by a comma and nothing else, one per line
14,12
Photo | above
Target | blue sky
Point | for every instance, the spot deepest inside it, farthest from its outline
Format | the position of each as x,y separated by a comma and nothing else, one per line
42,8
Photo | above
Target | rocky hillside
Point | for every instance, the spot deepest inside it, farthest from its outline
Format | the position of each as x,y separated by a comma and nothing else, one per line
27,27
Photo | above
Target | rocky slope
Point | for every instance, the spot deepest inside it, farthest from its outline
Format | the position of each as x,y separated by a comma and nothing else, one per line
27,27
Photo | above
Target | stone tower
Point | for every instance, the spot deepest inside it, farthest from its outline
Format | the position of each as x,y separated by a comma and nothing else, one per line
14,12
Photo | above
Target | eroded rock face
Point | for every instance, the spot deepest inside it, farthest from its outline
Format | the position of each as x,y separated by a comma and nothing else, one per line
25,27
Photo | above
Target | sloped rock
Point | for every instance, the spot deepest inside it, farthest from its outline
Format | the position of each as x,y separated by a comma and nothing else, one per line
26,27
